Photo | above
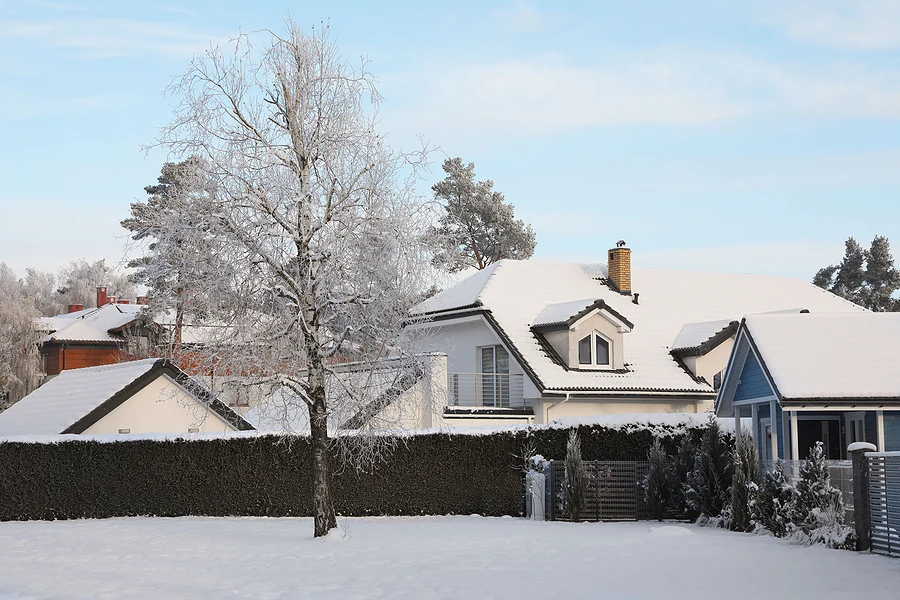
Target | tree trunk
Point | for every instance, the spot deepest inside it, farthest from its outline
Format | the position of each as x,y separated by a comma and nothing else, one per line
323,506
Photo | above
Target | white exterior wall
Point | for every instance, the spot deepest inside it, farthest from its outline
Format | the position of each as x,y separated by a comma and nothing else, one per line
461,339
597,322
555,408
715,360
161,407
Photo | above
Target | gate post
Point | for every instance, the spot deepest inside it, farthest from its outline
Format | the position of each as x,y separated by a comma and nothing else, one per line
862,516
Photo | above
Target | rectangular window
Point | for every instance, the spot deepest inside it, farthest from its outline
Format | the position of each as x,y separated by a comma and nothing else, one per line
493,380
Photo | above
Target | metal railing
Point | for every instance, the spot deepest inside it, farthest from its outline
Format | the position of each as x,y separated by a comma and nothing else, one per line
884,499
490,390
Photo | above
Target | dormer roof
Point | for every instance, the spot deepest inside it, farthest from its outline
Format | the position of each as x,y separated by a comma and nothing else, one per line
566,314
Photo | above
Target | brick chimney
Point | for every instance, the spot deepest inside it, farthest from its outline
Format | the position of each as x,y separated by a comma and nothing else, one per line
110,299
619,265
101,296
124,301
143,300
75,307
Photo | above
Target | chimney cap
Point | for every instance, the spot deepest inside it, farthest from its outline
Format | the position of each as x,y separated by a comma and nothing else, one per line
620,244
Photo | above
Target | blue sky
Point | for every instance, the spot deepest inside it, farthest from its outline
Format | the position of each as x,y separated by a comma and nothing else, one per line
715,135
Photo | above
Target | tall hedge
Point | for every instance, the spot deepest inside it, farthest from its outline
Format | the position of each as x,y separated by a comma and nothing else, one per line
264,476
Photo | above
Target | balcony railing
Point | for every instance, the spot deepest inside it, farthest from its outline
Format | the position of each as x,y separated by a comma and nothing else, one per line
489,390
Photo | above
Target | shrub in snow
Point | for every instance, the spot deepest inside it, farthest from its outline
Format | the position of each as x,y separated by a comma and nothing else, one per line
657,482
745,483
708,486
576,483
682,465
770,508
817,511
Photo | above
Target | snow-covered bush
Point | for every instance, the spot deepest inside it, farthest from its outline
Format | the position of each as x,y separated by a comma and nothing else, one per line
708,485
657,482
817,510
745,483
770,509
576,483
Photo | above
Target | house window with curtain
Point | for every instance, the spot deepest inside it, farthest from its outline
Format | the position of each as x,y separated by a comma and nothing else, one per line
493,380
594,350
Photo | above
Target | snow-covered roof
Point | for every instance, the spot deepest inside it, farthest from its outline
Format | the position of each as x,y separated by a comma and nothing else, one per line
561,312
830,355
517,292
68,397
693,335
92,324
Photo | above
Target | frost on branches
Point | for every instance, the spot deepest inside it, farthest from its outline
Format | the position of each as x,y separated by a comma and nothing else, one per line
20,360
477,228
817,509
770,508
708,489
316,223
575,486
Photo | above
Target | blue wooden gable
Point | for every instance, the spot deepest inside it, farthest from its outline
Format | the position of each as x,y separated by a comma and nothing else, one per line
753,381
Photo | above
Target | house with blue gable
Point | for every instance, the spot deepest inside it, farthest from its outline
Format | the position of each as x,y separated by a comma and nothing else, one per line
803,377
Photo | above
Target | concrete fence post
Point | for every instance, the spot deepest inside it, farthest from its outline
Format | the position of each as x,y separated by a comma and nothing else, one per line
862,516
534,497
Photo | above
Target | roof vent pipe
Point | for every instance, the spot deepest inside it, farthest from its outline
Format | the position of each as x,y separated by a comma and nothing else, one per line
635,299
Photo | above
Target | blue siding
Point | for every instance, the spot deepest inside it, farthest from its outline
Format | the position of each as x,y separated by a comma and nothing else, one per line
892,431
753,381
779,427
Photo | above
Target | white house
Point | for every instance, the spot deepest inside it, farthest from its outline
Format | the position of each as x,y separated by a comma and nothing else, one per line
531,341
144,396
803,378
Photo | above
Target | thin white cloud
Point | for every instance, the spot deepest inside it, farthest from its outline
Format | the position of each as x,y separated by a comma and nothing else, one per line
549,94
850,24
523,17
107,37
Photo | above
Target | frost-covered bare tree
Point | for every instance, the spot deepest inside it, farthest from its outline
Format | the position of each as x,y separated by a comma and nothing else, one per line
79,279
478,227
20,361
318,223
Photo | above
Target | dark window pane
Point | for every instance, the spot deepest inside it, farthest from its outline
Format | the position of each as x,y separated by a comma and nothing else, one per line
602,351
584,351
502,360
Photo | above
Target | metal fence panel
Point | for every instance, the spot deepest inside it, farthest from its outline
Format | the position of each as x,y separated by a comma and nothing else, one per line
614,492
884,498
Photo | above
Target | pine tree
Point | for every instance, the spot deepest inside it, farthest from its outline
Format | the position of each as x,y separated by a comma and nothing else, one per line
657,481
817,511
866,277
709,483
745,484
576,482
771,508
477,228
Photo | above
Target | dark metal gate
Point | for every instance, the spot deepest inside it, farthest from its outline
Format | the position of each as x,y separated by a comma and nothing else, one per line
884,501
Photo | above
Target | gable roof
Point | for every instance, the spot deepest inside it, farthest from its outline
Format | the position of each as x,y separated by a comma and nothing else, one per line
93,324
76,399
515,293
829,356
565,314
697,339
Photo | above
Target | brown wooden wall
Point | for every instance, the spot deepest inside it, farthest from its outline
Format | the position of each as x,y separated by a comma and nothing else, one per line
59,357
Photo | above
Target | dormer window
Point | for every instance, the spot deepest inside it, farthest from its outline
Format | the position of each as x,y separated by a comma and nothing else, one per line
594,351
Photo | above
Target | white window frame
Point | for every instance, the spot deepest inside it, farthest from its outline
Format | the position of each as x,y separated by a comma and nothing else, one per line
593,335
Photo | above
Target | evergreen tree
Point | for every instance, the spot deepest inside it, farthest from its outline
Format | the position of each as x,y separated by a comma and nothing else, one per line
682,466
477,228
866,277
657,481
576,482
771,508
817,511
709,483
745,484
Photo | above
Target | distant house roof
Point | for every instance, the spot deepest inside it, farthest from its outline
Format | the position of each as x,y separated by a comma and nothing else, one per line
696,339
76,399
514,294
821,356
92,324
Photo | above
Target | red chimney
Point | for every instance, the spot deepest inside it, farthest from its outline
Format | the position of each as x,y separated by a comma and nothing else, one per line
124,301
101,296
75,307
143,300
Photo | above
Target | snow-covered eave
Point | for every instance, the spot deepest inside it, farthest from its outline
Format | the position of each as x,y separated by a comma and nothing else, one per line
840,402
710,344
630,391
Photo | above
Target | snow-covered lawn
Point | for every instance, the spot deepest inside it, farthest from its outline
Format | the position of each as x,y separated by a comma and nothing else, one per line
423,557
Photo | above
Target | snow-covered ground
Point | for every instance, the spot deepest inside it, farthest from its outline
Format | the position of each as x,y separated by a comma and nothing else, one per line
421,557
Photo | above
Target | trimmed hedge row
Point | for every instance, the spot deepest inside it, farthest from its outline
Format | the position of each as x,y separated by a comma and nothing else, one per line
263,476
